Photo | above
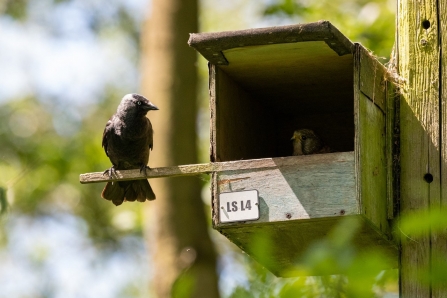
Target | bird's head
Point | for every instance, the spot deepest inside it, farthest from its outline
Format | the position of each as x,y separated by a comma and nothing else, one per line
305,141
135,104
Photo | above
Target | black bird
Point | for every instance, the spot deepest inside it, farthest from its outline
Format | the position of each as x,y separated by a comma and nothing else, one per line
127,141
306,141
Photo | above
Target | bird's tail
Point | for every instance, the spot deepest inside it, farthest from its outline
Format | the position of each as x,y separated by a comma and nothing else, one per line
136,190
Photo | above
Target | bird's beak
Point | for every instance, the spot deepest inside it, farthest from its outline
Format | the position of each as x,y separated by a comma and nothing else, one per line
150,106
293,138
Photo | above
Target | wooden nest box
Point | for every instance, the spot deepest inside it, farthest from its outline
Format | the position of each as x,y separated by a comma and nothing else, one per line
266,83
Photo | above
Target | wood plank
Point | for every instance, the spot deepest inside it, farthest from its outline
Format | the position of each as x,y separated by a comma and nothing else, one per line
213,81
392,149
372,167
242,126
371,173
418,63
372,78
439,240
197,169
211,45
321,185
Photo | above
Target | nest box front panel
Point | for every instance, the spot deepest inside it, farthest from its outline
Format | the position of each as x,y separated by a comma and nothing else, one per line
296,188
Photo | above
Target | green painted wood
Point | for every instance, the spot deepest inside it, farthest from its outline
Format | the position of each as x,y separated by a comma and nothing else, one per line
439,240
372,164
419,59
372,79
370,140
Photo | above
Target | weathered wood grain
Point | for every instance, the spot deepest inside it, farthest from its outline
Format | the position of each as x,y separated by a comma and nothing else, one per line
320,185
372,78
370,139
392,148
242,125
439,240
293,78
370,148
211,45
419,65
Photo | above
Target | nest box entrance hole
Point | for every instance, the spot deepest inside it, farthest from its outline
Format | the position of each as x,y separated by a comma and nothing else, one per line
266,92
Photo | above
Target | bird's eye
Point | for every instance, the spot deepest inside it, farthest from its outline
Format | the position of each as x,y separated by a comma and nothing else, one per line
303,138
139,103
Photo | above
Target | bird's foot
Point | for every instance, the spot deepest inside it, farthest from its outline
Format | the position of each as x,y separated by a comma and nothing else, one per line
110,172
144,168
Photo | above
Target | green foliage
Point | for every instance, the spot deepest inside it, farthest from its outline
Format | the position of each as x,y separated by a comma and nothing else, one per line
368,22
422,222
359,271
418,224
15,8
41,165
286,7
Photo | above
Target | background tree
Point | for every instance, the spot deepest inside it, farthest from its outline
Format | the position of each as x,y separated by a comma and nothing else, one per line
184,254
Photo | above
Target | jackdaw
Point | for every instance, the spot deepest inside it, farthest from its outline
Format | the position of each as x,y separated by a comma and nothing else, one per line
127,141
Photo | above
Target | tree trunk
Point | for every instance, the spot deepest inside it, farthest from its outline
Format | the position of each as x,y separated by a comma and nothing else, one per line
421,45
184,259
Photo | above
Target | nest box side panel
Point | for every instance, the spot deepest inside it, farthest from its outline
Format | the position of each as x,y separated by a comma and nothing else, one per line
393,148
370,139
239,126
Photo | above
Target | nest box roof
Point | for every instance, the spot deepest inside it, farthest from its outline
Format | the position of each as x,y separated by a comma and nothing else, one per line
213,45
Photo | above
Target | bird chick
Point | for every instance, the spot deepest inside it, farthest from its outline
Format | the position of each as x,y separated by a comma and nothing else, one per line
127,141
305,142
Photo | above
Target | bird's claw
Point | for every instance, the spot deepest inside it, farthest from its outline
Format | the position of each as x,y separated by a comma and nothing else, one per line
144,168
110,172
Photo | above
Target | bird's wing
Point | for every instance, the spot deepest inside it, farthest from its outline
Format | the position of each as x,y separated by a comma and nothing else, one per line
150,135
106,133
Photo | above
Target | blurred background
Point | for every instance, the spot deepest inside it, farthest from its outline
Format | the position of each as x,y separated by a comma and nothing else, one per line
64,66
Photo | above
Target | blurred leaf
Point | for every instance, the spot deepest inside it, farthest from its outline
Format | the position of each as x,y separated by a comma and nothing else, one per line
287,7
422,222
183,286
434,275
368,22
241,292
17,9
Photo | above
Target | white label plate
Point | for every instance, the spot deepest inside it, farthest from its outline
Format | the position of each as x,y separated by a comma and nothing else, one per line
238,206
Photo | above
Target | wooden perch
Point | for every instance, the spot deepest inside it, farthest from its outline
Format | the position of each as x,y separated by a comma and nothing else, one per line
186,170
206,168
